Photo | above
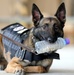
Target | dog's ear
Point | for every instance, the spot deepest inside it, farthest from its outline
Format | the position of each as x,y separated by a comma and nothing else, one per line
61,14
36,15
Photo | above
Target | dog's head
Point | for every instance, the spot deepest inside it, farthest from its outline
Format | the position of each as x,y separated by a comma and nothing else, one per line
48,28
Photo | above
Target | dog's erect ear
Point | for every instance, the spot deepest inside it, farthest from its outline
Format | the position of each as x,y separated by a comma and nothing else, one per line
61,13
36,15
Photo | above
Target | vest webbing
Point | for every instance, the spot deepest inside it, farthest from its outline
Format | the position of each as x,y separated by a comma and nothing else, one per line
19,33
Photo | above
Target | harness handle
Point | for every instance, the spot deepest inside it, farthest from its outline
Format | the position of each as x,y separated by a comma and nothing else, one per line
18,43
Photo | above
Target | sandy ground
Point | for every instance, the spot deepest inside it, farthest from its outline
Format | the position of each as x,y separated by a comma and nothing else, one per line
64,66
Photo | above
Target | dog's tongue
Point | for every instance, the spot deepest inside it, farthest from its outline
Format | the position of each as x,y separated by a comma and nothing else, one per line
44,46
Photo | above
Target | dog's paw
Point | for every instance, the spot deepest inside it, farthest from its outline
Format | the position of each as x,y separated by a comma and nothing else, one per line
19,72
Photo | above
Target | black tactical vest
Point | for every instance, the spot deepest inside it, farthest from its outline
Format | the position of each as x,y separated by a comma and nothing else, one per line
19,33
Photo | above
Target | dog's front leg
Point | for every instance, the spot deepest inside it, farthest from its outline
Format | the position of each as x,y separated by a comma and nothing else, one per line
14,67
34,69
3,63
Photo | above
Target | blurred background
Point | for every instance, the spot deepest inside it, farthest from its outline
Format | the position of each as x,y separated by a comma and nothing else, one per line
12,11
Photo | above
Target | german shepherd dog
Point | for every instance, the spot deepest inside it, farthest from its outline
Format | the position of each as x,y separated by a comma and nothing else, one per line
45,28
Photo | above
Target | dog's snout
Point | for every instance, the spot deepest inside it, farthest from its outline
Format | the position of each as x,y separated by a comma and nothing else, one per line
49,40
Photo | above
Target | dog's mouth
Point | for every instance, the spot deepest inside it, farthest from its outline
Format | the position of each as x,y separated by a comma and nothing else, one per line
51,40
42,46
39,36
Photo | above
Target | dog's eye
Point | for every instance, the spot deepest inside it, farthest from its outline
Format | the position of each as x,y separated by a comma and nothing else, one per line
56,27
45,26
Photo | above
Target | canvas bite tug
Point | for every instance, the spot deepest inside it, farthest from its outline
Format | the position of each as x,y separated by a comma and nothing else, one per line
18,59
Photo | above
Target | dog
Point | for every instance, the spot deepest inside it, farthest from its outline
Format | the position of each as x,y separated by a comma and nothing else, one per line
45,28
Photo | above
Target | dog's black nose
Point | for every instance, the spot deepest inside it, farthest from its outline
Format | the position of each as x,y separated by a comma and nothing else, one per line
49,39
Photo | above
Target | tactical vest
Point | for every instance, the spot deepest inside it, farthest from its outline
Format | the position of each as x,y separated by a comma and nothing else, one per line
19,33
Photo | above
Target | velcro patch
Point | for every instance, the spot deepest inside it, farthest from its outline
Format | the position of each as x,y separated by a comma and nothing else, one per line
18,28
14,32
21,31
